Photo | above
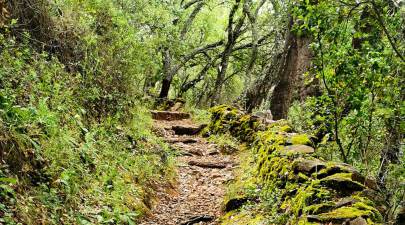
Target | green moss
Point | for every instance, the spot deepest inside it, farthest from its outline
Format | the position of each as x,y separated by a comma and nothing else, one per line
375,214
302,199
322,193
304,221
300,139
219,109
344,213
356,210
303,176
270,137
346,176
243,217
271,169
318,208
294,195
286,128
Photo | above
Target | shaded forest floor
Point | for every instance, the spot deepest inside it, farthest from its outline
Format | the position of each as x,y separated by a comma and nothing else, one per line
202,173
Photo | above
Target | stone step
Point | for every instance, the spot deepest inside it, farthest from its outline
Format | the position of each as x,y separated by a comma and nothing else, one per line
169,115
185,140
212,165
198,219
187,129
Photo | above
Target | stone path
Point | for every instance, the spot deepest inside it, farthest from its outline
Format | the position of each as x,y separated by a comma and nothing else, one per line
202,172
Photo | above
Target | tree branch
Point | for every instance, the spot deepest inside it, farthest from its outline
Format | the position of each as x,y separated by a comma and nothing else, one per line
190,3
193,53
190,20
249,45
187,85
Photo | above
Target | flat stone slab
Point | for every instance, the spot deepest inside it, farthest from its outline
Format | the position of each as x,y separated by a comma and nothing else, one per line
343,183
297,149
198,219
169,115
308,166
214,165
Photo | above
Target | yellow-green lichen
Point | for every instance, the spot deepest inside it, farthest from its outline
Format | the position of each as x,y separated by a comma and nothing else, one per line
344,213
293,194
243,217
286,128
304,221
318,208
300,139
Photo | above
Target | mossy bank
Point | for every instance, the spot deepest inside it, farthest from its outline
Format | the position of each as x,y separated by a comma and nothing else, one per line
284,182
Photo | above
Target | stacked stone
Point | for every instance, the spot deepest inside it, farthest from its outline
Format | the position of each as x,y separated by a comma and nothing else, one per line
306,189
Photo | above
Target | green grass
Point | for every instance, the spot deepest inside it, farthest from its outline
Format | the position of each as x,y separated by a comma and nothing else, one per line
64,165
100,178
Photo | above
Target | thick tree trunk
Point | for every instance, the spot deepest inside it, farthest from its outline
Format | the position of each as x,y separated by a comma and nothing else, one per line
291,80
305,55
167,80
164,92
283,92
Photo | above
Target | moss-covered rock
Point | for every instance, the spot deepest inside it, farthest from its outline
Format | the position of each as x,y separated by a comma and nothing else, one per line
347,212
297,149
295,186
343,183
308,166
244,217
300,139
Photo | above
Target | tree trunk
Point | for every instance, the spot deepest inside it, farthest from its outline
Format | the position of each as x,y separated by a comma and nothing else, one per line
164,92
233,34
258,91
221,76
168,77
283,92
295,63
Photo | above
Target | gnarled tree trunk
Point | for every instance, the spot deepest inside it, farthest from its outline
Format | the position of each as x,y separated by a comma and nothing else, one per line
295,64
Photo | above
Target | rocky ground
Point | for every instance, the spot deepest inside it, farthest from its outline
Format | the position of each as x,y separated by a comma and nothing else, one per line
202,174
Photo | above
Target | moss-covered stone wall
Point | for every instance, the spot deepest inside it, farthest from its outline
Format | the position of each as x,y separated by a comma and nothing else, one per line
304,188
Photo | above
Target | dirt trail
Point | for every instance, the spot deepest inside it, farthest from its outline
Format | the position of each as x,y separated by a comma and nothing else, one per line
202,172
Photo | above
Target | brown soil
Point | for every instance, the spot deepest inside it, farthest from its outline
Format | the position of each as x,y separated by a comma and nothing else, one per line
202,172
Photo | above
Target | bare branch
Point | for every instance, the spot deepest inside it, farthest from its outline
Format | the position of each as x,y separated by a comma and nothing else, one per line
190,20
187,85
250,45
190,3
193,53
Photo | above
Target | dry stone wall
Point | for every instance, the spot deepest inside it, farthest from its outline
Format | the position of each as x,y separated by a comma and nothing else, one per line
305,188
